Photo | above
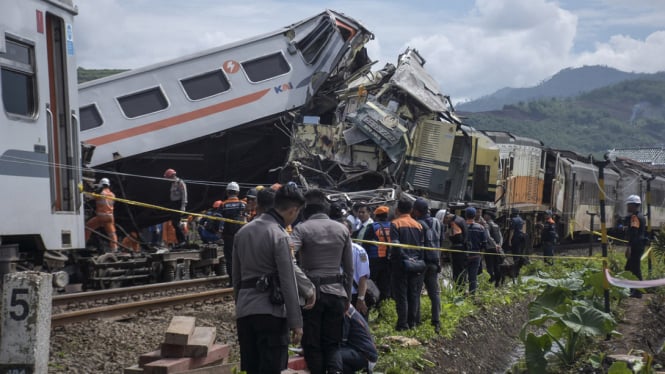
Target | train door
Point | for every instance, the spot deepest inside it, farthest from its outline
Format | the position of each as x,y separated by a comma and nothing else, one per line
61,120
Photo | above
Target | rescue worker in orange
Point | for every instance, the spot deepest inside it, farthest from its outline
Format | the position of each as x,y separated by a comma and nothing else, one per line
103,215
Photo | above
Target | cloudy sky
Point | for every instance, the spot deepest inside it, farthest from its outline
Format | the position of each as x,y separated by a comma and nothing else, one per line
472,47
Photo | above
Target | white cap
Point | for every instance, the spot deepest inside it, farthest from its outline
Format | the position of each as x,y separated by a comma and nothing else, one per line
104,182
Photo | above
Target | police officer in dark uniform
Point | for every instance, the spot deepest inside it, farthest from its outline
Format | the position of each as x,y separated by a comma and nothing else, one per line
493,260
549,236
432,229
457,234
517,239
477,238
324,246
262,251
635,226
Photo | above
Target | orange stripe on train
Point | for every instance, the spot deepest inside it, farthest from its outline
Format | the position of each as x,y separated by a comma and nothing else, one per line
179,119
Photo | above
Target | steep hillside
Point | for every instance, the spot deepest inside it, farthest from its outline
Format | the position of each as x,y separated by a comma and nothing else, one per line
566,83
85,75
627,114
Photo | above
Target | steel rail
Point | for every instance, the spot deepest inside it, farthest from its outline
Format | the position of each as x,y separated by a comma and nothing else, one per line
111,311
127,292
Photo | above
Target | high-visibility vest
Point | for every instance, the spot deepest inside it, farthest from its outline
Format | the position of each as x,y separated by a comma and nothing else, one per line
382,233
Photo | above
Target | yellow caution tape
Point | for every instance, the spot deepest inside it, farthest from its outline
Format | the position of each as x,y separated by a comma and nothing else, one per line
410,246
400,245
157,207
646,254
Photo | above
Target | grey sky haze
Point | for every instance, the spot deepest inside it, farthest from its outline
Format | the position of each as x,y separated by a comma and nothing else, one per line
472,48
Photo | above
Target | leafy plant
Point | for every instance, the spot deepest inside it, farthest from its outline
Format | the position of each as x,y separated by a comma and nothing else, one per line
566,321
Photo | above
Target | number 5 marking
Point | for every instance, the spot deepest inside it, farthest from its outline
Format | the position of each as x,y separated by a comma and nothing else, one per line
16,302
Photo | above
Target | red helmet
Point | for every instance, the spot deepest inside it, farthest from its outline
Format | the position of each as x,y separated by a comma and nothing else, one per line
217,204
169,173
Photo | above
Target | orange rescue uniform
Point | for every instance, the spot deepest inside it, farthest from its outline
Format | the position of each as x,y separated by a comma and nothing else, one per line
103,218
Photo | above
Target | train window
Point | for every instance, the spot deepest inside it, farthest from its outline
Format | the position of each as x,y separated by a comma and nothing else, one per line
90,117
18,79
205,85
266,67
144,102
312,44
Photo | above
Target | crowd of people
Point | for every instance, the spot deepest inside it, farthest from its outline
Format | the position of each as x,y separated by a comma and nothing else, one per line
321,259
302,265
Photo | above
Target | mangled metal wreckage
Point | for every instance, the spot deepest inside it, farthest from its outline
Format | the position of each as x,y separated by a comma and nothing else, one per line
394,128
243,112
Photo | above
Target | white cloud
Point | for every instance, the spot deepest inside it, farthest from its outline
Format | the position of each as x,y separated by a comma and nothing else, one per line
471,50
628,54
478,55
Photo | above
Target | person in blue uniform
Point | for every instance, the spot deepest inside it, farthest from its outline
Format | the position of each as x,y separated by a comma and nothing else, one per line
635,226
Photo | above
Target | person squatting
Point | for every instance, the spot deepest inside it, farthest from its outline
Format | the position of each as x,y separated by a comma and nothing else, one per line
298,277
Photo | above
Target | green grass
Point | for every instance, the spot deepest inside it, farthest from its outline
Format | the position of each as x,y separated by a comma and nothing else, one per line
455,306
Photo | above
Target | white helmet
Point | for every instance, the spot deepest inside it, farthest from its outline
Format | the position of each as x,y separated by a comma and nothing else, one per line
233,186
105,182
633,199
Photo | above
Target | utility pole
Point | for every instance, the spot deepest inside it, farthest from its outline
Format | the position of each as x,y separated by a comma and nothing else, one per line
603,228
593,215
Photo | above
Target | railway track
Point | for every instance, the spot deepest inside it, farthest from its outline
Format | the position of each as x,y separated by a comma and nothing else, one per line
113,303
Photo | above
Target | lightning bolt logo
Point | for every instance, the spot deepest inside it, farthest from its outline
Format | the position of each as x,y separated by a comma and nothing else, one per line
231,66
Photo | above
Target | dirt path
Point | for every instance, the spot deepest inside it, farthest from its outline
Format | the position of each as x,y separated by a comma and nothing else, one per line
488,341
642,328
484,343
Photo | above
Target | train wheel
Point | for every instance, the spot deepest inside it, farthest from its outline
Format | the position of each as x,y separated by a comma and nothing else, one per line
107,258
169,273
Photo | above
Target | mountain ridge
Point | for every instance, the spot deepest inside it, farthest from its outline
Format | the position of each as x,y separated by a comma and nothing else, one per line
565,83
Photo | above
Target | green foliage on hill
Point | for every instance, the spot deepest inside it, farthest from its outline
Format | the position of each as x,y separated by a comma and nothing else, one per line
566,83
85,75
627,114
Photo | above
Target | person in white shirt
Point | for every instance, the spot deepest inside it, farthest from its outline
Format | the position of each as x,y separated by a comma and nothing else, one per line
360,275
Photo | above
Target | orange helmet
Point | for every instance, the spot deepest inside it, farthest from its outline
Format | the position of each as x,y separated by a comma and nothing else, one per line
217,204
169,173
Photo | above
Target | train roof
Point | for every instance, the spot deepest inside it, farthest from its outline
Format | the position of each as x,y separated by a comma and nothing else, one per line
646,155
214,50
504,137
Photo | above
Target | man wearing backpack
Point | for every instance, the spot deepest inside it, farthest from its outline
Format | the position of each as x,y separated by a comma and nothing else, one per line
432,230
379,265
234,209
477,238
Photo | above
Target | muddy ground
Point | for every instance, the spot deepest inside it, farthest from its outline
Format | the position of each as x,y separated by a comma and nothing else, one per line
488,341
484,343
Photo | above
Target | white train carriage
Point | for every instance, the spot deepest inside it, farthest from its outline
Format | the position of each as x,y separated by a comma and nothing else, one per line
656,202
641,180
576,193
39,146
216,90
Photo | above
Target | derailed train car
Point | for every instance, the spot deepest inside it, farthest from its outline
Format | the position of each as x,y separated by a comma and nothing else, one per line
534,178
216,115
395,128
